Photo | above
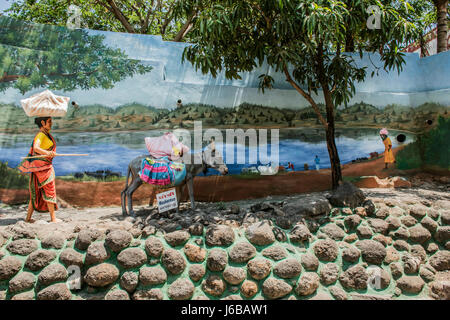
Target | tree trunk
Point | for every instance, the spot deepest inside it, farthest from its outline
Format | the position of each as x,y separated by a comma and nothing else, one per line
442,27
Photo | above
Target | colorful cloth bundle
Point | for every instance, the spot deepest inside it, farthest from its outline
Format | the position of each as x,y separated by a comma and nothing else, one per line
162,172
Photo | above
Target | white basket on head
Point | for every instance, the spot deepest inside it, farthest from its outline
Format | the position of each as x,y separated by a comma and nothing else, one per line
45,104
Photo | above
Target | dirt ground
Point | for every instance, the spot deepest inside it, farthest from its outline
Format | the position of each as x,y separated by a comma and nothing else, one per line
211,188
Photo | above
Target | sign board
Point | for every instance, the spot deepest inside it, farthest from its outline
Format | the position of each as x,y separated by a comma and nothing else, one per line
167,200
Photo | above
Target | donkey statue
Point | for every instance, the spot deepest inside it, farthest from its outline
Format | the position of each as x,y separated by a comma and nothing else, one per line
199,162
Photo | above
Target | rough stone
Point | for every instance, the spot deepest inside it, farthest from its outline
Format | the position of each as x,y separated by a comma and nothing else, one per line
53,273
379,225
440,260
217,260
234,275
333,231
70,257
440,290
300,233
401,234
351,254
260,234
96,253
29,295
194,253
372,251
442,234
117,295
275,288
274,252
418,211
249,288
410,264
307,284
118,240
419,234
242,252
181,289
432,247
309,262
196,229
151,294
22,282
54,240
214,286
152,276
196,272
173,261
259,268
289,268
351,238
364,232
396,269
329,273
9,267
58,291
408,221
352,221
369,206
419,252
382,239
383,212
101,275
347,195
429,224
154,247
132,258
338,293
401,245
354,278
326,250
39,259
311,206
22,247
393,223
427,272
86,237
219,235
177,238
391,255
410,284
129,281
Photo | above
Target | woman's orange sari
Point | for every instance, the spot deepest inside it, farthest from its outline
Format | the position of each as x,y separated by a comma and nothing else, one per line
42,179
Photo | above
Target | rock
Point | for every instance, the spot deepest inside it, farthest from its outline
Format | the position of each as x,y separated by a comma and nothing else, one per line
442,234
118,240
177,238
289,268
96,253
154,247
260,234
283,222
196,272
29,295
401,245
432,247
70,257
410,264
129,281
372,251
58,291
396,269
351,254
234,276
22,247
148,231
86,237
101,275
354,278
360,211
181,289
410,284
418,211
22,230
54,240
379,225
352,221
273,252
440,260
310,206
217,260
151,294
219,235
173,261
196,229
307,284
364,232
393,223
22,282
440,290
309,262
384,212
53,273
194,253
131,258
249,288
338,293
419,252
214,286
299,234
429,224
445,217
242,252
152,276
419,234
329,273
39,259
351,238
333,231
9,267
259,268
427,272
347,195
117,295
370,207
401,234
326,250
274,288
382,239
391,255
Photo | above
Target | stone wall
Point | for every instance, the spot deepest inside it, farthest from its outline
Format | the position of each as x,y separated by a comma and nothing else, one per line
307,249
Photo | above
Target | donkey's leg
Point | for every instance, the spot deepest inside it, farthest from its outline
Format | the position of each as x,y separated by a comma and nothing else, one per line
136,183
123,199
180,195
190,185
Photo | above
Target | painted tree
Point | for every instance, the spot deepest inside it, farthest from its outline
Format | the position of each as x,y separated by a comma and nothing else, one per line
442,24
30,58
305,40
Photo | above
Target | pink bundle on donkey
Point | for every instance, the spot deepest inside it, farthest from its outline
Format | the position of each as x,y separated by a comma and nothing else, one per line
167,145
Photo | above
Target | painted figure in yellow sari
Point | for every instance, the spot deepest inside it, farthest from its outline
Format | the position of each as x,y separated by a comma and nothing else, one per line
388,154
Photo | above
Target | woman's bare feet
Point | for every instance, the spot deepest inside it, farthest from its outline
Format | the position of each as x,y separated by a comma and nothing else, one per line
30,220
56,220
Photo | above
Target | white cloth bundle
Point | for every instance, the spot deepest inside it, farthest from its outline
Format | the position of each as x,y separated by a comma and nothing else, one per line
45,104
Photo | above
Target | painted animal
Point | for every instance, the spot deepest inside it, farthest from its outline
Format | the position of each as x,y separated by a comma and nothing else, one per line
199,162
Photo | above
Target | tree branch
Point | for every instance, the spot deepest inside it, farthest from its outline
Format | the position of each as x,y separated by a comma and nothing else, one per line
112,7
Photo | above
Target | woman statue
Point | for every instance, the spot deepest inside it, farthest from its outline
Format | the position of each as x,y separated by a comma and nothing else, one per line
388,154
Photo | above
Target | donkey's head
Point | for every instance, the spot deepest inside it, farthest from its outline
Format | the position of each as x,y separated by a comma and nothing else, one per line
212,158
